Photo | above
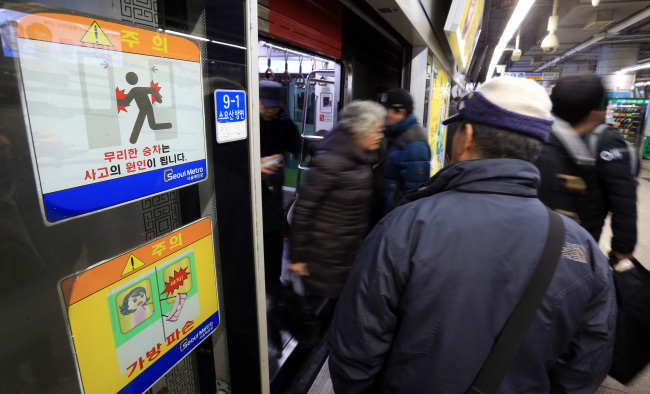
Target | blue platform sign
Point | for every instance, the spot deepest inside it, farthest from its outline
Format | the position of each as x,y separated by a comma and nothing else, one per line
109,122
230,111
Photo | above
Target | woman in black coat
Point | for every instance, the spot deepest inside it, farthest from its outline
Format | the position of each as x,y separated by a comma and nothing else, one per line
330,216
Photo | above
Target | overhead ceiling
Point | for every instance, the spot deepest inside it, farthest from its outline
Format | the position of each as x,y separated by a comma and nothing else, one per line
579,22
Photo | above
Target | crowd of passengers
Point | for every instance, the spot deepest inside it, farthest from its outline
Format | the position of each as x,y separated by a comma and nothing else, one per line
427,270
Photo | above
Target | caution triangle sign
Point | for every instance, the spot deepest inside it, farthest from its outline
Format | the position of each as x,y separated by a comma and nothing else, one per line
95,35
132,264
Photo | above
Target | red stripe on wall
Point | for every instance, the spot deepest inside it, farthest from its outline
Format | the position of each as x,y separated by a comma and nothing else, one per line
312,24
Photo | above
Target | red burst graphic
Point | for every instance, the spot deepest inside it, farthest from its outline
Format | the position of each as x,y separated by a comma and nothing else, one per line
119,94
155,86
175,281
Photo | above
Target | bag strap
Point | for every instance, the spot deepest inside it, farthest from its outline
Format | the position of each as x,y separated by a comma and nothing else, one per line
513,333
594,138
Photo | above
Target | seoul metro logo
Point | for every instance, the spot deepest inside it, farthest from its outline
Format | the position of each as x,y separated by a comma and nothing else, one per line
169,174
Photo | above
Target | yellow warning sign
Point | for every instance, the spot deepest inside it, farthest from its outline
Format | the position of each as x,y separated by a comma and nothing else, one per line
132,264
95,35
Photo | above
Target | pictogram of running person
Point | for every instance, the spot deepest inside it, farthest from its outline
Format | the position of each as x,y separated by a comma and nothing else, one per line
140,95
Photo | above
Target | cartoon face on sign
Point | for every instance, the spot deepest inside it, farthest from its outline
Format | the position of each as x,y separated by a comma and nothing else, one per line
135,305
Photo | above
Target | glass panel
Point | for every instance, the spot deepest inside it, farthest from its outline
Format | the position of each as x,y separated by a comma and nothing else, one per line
35,255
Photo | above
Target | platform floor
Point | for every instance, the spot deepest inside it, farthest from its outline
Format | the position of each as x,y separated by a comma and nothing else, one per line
641,385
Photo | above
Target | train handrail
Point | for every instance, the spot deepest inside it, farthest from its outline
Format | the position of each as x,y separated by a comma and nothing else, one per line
286,77
300,79
304,117
269,70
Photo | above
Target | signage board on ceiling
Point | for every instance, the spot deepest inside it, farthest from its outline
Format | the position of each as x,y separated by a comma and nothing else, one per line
462,29
135,316
533,76
550,76
114,112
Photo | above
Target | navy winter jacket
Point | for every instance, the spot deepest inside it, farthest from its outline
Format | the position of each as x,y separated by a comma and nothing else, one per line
407,160
436,280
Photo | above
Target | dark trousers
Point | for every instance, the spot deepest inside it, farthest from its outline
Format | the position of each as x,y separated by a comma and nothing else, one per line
273,248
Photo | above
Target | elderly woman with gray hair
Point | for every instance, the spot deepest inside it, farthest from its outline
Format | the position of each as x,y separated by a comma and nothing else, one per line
330,216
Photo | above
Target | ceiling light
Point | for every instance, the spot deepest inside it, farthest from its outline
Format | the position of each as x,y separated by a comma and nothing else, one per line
521,10
634,68
516,54
595,2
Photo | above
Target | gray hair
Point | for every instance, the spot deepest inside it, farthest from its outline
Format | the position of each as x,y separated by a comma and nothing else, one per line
494,143
359,116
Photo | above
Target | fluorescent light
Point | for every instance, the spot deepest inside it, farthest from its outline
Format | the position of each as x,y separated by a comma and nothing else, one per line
522,9
176,33
634,68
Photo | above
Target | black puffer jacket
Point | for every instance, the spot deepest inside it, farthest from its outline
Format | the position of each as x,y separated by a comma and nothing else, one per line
276,137
613,166
330,215
570,188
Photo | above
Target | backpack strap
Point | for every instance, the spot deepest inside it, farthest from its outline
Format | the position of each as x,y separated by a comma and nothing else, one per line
514,332
594,139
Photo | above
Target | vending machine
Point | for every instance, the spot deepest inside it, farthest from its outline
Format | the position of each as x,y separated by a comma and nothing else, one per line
628,117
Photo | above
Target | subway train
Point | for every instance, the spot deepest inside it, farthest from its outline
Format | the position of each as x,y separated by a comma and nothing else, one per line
130,187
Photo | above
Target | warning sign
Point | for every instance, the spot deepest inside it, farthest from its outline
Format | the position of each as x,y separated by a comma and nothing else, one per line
95,35
130,324
132,264
115,111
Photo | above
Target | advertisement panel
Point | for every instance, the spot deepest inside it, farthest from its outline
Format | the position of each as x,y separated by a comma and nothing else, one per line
114,112
462,28
439,111
132,318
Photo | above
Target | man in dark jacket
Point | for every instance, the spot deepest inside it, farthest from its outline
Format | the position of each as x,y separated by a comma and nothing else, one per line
436,280
579,185
408,155
278,134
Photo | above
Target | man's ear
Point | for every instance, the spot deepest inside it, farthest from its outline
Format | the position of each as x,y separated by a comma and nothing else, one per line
468,140
467,150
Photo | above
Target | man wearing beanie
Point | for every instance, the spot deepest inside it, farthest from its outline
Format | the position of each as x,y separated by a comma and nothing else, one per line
435,282
408,155
586,167
278,135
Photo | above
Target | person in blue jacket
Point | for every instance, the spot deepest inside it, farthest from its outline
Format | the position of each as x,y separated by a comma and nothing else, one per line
438,277
408,156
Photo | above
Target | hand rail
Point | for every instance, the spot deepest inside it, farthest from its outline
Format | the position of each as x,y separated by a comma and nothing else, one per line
286,77
269,70
300,79
304,118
